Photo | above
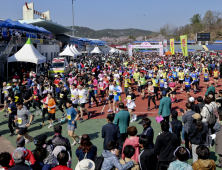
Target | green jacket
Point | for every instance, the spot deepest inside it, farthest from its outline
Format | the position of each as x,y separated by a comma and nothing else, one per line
122,119
211,88
165,107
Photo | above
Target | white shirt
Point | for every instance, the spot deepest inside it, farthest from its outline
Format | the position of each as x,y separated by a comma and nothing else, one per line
74,94
82,96
111,87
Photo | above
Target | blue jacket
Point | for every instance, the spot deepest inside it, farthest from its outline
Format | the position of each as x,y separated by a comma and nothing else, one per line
110,161
90,155
110,132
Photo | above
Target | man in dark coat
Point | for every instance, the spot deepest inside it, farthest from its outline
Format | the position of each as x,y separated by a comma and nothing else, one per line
110,131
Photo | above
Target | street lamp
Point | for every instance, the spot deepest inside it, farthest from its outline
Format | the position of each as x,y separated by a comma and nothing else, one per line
72,18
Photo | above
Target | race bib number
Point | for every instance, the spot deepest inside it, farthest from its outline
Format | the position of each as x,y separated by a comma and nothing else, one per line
115,79
49,109
43,105
19,121
69,117
35,97
115,93
57,85
206,77
61,95
128,97
120,73
110,93
101,88
9,109
194,78
5,92
72,95
187,83
172,88
136,78
80,96
161,81
150,75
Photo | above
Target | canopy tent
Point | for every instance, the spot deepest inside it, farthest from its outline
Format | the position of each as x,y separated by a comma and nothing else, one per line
112,50
28,53
74,49
67,52
11,24
74,52
96,50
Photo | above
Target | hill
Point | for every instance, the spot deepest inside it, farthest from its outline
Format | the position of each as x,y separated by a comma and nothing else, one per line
112,33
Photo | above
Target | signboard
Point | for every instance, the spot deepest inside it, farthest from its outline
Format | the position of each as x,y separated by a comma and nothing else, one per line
36,41
172,46
183,40
203,36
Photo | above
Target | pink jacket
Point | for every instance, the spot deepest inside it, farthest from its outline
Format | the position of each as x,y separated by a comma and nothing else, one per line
134,141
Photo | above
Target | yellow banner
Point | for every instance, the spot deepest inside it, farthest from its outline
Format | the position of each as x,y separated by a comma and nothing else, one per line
183,41
172,46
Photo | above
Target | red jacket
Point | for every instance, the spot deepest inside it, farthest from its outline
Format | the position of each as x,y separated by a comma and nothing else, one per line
28,157
60,167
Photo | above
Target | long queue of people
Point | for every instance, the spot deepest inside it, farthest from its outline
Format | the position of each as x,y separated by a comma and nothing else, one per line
104,79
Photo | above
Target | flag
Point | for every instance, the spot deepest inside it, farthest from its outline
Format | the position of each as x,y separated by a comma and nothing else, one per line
172,46
183,41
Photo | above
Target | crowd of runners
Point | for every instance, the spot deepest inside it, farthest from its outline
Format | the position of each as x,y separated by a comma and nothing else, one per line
94,81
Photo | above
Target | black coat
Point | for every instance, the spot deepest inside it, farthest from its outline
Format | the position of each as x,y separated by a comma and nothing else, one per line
196,137
147,159
110,132
165,145
20,167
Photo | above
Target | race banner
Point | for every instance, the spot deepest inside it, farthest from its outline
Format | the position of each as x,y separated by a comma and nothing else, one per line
183,40
172,46
165,44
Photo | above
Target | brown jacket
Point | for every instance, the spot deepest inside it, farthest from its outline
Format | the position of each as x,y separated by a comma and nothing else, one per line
218,141
201,164
135,167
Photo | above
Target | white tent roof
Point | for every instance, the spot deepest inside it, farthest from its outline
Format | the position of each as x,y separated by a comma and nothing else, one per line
67,52
74,50
28,53
73,47
112,50
96,50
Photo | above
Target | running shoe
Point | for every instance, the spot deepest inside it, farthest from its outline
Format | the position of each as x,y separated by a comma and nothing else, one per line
117,109
37,113
92,103
53,121
13,134
132,120
42,124
50,126
63,115
148,109
6,115
134,117
156,107
81,119
110,110
74,143
59,120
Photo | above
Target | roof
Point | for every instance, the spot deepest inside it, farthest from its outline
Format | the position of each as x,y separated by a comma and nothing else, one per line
48,25
58,60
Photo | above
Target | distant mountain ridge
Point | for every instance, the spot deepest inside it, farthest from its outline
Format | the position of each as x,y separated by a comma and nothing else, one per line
111,33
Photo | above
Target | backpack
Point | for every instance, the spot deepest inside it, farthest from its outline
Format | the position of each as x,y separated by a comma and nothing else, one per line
215,111
212,119
99,162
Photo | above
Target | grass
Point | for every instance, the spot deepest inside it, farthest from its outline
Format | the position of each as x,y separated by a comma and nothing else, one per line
91,127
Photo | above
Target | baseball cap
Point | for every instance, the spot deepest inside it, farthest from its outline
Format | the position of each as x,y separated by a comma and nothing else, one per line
20,141
191,99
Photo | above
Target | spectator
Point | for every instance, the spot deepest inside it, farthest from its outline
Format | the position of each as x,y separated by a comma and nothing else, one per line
63,158
122,119
218,141
176,124
59,140
111,160
187,119
133,140
194,107
147,130
20,142
165,145
206,113
85,164
5,158
41,142
182,154
197,134
110,131
200,103
128,152
147,157
203,162
19,159
86,150
165,107
40,154
211,88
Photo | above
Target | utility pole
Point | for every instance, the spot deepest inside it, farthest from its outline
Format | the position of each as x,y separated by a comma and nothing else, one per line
72,18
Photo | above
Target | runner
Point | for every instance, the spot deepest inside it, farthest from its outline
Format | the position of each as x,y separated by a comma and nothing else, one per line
131,97
142,82
91,94
181,78
151,96
102,87
172,85
127,83
63,93
110,95
188,81
216,74
23,122
136,78
206,79
117,90
72,117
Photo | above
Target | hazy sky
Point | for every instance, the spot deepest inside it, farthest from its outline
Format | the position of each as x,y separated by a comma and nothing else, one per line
115,14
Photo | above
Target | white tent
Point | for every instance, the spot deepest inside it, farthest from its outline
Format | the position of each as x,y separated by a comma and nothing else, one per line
73,47
28,53
74,50
112,50
96,50
67,52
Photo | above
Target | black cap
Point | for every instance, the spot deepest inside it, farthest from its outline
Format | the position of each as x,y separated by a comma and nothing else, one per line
42,138
142,122
60,82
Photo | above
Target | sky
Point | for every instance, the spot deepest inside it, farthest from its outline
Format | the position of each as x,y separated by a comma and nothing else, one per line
114,14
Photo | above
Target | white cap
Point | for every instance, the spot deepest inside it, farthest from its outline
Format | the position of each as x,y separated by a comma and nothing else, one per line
115,70
191,99
136,70
85,164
